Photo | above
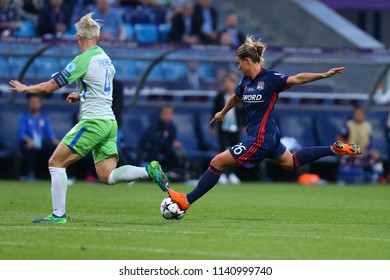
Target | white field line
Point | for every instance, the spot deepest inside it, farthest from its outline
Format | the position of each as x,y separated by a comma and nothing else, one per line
164,251
231,232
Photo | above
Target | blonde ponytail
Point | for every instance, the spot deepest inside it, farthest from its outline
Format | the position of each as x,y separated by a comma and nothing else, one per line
87,28
252,49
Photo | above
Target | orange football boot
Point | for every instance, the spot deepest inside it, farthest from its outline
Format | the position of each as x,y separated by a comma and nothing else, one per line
179,198
341,148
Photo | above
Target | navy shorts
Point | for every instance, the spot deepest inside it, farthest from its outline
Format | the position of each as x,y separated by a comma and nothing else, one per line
251,151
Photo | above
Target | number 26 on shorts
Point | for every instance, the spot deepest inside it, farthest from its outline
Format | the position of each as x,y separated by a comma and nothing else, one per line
238,149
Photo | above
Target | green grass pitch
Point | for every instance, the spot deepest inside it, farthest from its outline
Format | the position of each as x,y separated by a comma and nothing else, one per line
249,221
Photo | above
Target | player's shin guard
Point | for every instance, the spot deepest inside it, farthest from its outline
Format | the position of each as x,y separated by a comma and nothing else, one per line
208,180
127,173
307,155
59,186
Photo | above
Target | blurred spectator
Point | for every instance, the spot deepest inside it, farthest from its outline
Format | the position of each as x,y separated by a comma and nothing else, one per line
184,26
149,12
222,69
111,21
359,131
174,7
159,142
233,124
231,27
131,3
155,3
161,3
29,9
9,17
224,39
191,80
220,78
54,18
36,135
207,15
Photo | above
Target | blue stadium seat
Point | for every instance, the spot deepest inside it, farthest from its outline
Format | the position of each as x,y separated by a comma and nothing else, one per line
24,49
27,29
47,66
64,61
125,69
71,32
172,70
156,74
16,63
63,50
129,31
146,33
4,70
163,31
4,48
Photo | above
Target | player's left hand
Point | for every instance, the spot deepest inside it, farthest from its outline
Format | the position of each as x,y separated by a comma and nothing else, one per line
73,97
17,86
333,71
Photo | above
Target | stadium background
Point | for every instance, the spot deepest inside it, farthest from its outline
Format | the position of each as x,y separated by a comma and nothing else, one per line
301,36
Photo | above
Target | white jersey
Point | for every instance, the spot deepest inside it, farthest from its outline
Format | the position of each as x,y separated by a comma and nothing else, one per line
94,73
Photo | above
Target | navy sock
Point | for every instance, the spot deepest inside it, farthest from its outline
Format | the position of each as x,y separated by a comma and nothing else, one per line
208,180
307,155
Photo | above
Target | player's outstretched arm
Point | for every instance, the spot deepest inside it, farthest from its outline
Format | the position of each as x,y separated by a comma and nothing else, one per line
42,88
303,78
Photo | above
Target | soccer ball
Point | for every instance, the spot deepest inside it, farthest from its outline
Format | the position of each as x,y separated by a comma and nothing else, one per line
170,210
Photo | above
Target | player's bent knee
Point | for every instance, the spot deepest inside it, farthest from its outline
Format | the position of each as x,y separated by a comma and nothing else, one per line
104,177
218,162
52,162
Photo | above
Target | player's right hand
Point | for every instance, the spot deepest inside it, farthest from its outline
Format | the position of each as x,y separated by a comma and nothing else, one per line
218,117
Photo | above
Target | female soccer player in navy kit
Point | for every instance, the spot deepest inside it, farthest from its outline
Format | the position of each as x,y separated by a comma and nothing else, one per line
259,91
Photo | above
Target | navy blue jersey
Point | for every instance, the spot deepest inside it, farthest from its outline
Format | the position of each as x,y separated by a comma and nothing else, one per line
259,97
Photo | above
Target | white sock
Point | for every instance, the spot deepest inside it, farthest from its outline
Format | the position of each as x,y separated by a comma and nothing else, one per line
59,185
127,173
